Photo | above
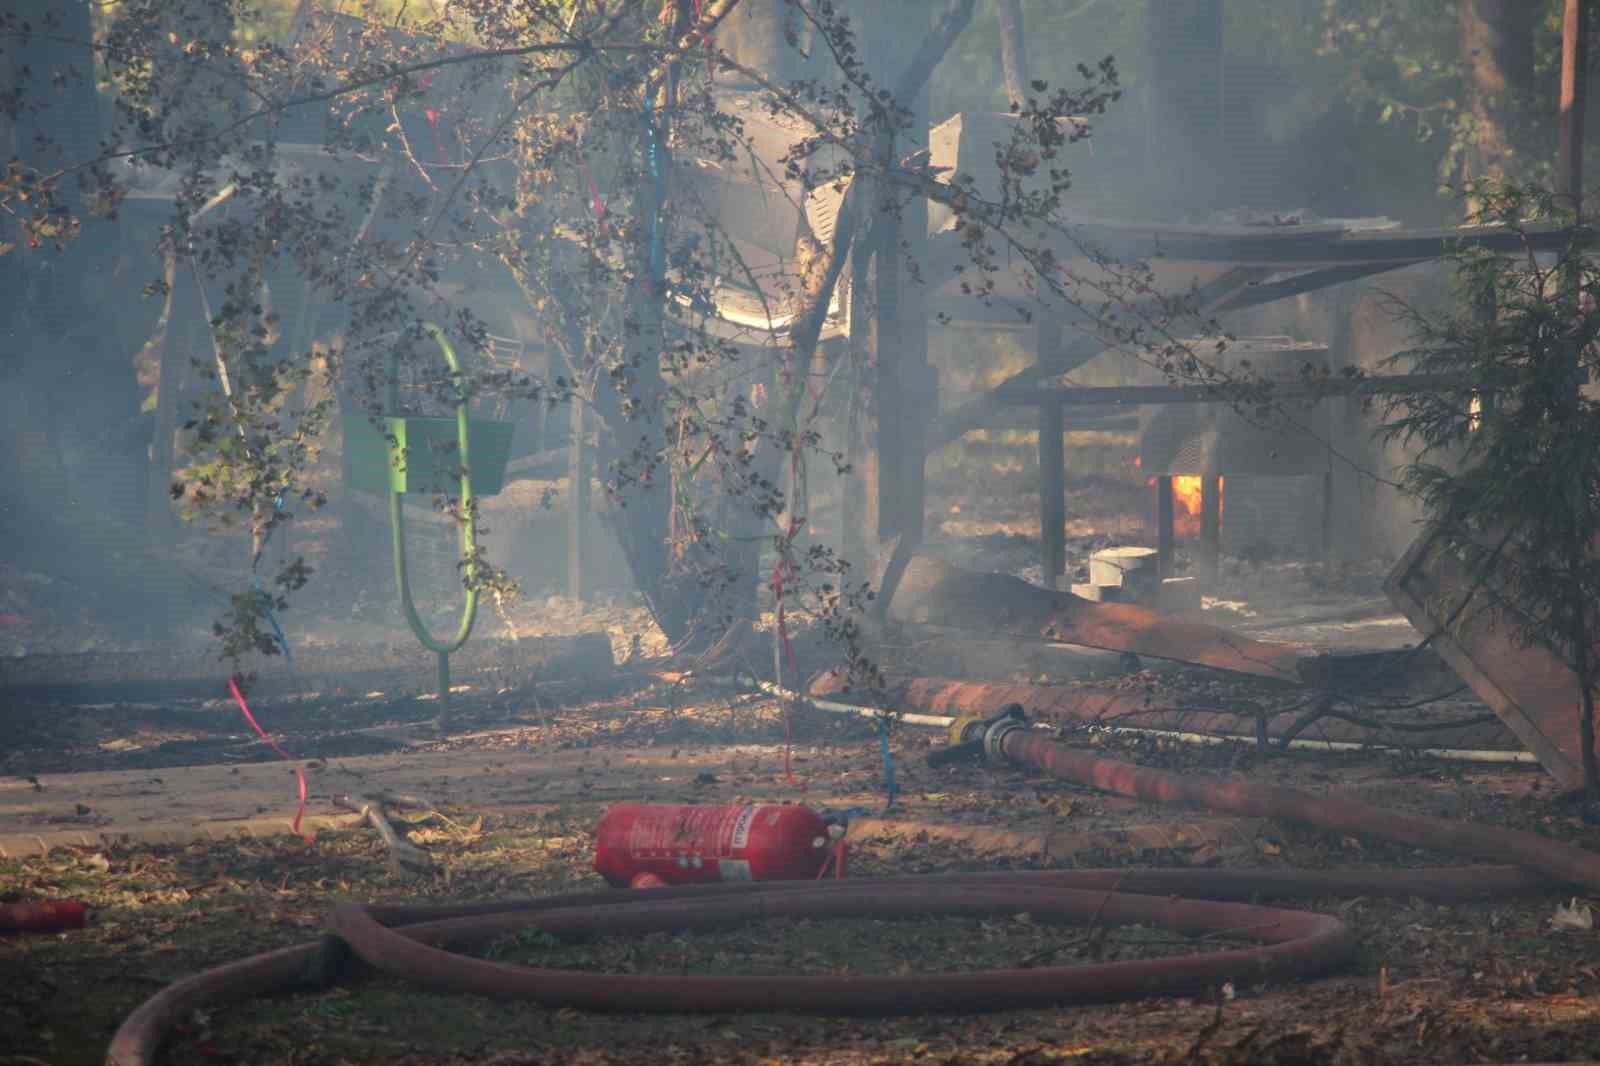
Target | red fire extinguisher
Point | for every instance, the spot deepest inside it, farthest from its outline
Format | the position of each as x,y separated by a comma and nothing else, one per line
647,845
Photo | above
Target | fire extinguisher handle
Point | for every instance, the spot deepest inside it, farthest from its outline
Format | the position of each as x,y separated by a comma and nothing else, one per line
954,753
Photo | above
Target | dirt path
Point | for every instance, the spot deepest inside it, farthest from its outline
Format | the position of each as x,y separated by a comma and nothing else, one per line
195,802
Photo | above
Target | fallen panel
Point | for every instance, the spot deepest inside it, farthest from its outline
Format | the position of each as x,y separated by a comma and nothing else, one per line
1532,690
933,592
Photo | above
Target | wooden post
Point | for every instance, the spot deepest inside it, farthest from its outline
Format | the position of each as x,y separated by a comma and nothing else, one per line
1210,526
577,500
1052,465
1052,494
1327,520
1348,433
1013,55
1574,93
858,495
1165,536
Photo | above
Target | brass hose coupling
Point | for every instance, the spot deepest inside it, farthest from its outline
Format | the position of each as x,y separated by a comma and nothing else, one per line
979,738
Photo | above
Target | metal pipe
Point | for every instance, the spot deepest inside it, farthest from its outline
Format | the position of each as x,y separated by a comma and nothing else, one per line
1449,754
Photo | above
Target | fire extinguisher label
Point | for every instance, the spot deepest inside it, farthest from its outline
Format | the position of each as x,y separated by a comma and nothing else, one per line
734,869
741,828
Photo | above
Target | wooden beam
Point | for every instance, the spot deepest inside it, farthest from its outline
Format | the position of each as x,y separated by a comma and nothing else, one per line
1067,357
1310,281
1210,526
1268,248
1132,395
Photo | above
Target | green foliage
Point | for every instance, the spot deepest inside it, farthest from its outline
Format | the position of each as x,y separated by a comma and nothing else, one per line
1507,455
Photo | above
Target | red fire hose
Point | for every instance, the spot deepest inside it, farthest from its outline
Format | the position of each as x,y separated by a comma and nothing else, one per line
1298,943
409,941
1555,860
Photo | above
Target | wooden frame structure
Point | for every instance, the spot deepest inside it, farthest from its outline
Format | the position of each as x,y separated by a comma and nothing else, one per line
1223,269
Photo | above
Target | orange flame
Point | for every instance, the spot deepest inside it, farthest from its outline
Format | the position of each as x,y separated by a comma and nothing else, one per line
1186,505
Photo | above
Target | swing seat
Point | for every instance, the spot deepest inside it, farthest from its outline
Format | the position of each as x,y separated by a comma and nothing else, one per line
422,457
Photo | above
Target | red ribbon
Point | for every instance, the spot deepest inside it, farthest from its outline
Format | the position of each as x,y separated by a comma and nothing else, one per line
597,204
438,144
300,774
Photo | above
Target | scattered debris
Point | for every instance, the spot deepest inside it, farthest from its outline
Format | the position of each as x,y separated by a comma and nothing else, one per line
1574,917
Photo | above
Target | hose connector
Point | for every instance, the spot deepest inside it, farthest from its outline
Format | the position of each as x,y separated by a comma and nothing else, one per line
968,728
1009,721
979,738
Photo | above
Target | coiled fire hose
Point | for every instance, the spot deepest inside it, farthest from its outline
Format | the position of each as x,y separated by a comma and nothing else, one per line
412,942
409,941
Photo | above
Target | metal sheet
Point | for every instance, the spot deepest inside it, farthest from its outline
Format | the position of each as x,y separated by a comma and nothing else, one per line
1533,691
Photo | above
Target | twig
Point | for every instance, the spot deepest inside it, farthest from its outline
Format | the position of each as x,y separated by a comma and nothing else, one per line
1326,710
1204,1036
404,856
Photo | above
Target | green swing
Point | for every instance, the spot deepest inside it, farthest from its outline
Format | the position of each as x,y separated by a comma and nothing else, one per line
386,455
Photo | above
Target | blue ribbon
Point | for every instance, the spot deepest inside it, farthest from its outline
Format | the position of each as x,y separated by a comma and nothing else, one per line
277,630
888,762
658,270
